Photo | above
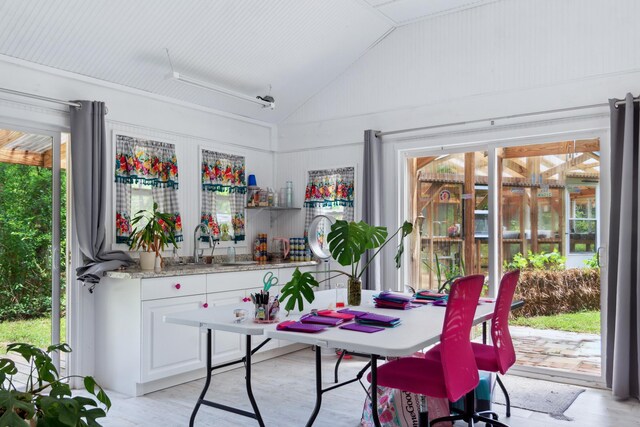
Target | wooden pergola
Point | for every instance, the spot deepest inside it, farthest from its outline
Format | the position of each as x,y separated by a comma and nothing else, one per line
541,166
30,149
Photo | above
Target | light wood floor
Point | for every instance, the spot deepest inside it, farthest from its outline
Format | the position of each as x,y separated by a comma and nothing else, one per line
284,390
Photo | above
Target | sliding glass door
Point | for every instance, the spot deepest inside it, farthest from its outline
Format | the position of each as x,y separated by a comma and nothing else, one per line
532,207
32,235
450,204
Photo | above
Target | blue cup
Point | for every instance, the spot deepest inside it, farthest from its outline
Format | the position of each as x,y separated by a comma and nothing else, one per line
252,181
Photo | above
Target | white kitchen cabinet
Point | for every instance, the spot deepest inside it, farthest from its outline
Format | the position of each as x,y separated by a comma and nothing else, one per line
137,352
170,349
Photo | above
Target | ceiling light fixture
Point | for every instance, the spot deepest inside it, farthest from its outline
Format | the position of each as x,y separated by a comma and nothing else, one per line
266,101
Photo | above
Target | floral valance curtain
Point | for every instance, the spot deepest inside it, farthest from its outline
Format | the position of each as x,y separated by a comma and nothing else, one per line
142,161
223,175
329,188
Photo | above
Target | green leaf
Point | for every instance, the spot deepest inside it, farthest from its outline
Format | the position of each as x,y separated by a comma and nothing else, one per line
300,286
347,242
7,367
12,400
374,236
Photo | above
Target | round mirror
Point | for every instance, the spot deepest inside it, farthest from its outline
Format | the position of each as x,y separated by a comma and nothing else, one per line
317,233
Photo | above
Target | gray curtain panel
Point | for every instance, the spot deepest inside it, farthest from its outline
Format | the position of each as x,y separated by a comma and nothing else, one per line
371,201
89,181
622,368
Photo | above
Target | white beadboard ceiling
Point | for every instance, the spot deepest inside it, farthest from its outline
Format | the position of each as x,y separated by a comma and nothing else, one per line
296,46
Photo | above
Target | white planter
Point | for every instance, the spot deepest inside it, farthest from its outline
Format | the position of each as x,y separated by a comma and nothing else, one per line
147,261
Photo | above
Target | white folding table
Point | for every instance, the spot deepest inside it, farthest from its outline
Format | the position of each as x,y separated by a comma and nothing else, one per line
420,327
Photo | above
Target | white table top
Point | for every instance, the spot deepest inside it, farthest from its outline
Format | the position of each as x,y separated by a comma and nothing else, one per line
420,328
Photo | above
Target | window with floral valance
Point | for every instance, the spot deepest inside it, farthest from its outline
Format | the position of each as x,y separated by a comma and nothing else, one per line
146,172
223,191
329,191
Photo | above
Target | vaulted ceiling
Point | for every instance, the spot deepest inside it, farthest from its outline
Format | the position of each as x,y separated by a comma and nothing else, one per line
295,46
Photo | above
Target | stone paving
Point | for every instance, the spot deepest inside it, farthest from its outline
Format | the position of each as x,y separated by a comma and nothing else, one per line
566,351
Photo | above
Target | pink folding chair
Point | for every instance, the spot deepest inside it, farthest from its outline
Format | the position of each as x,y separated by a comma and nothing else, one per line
455,373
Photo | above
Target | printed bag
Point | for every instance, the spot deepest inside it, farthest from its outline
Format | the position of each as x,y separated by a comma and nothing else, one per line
397,408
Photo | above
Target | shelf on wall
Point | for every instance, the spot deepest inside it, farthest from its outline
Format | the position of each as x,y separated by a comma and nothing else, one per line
271,209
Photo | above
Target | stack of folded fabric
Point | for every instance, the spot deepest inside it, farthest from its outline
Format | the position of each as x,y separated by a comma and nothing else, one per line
393,300
427,295
375,319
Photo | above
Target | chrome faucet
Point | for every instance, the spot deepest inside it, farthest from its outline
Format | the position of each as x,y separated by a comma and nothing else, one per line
196,252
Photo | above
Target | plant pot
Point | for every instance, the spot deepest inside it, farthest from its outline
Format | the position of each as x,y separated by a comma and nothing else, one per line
147,261
354,292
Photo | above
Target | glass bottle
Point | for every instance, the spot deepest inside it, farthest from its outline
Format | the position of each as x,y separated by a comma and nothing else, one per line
289,194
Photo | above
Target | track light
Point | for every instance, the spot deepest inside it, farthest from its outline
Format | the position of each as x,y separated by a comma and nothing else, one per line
265,101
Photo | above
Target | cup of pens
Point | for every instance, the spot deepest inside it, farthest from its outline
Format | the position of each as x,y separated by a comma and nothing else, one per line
267,307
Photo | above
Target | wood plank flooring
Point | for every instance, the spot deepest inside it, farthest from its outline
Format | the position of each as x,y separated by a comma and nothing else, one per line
284,390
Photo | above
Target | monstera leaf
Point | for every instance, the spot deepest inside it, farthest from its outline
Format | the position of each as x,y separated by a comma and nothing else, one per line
12,403
300,286
347,242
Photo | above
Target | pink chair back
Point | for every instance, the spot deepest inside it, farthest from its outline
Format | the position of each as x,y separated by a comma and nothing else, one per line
458,361
502,343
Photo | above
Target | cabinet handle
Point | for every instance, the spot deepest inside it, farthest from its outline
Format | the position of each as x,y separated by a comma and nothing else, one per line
177,286
205,305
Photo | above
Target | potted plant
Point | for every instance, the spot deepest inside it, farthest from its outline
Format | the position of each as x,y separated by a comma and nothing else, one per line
157,233
46,400
348,242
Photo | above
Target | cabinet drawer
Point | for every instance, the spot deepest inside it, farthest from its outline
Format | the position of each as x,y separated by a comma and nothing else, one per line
235,281
177,286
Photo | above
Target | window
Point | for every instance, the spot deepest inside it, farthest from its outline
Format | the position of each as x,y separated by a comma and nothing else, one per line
223,194
146,172
329,192
583,223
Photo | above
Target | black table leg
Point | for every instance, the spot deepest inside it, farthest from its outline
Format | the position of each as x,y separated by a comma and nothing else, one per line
206,383
484,332
254,405
316,408
374,390
247,363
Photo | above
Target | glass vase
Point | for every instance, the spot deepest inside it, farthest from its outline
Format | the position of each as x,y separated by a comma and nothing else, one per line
354,292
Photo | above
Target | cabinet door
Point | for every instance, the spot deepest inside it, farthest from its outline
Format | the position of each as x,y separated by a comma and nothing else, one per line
169,349
226,346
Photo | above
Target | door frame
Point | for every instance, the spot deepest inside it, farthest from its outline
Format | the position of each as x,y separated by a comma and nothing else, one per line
55,135
490,140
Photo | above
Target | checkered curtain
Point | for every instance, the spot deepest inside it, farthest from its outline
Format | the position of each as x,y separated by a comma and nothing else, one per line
150,162
223,174
329,188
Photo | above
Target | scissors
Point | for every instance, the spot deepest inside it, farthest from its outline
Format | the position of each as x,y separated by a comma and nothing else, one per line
269,280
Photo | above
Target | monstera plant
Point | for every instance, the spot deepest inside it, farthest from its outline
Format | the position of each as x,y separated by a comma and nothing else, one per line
45,399
348,242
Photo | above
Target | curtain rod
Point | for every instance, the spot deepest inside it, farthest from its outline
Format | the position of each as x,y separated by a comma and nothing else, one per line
513,116
45,98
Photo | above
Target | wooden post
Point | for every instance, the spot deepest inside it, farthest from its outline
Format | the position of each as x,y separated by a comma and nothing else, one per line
468,223
533,165
414,188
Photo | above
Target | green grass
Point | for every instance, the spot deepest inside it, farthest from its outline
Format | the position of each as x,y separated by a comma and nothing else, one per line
34,331
585,321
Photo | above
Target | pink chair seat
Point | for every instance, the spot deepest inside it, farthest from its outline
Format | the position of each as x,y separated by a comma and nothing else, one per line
416,375
485,356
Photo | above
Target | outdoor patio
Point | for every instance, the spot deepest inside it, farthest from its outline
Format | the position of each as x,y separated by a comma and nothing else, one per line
567,351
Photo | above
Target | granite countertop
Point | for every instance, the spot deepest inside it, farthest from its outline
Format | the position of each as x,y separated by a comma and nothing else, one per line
189,269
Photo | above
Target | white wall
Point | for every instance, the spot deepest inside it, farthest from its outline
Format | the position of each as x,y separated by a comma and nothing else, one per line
505,58
138,113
